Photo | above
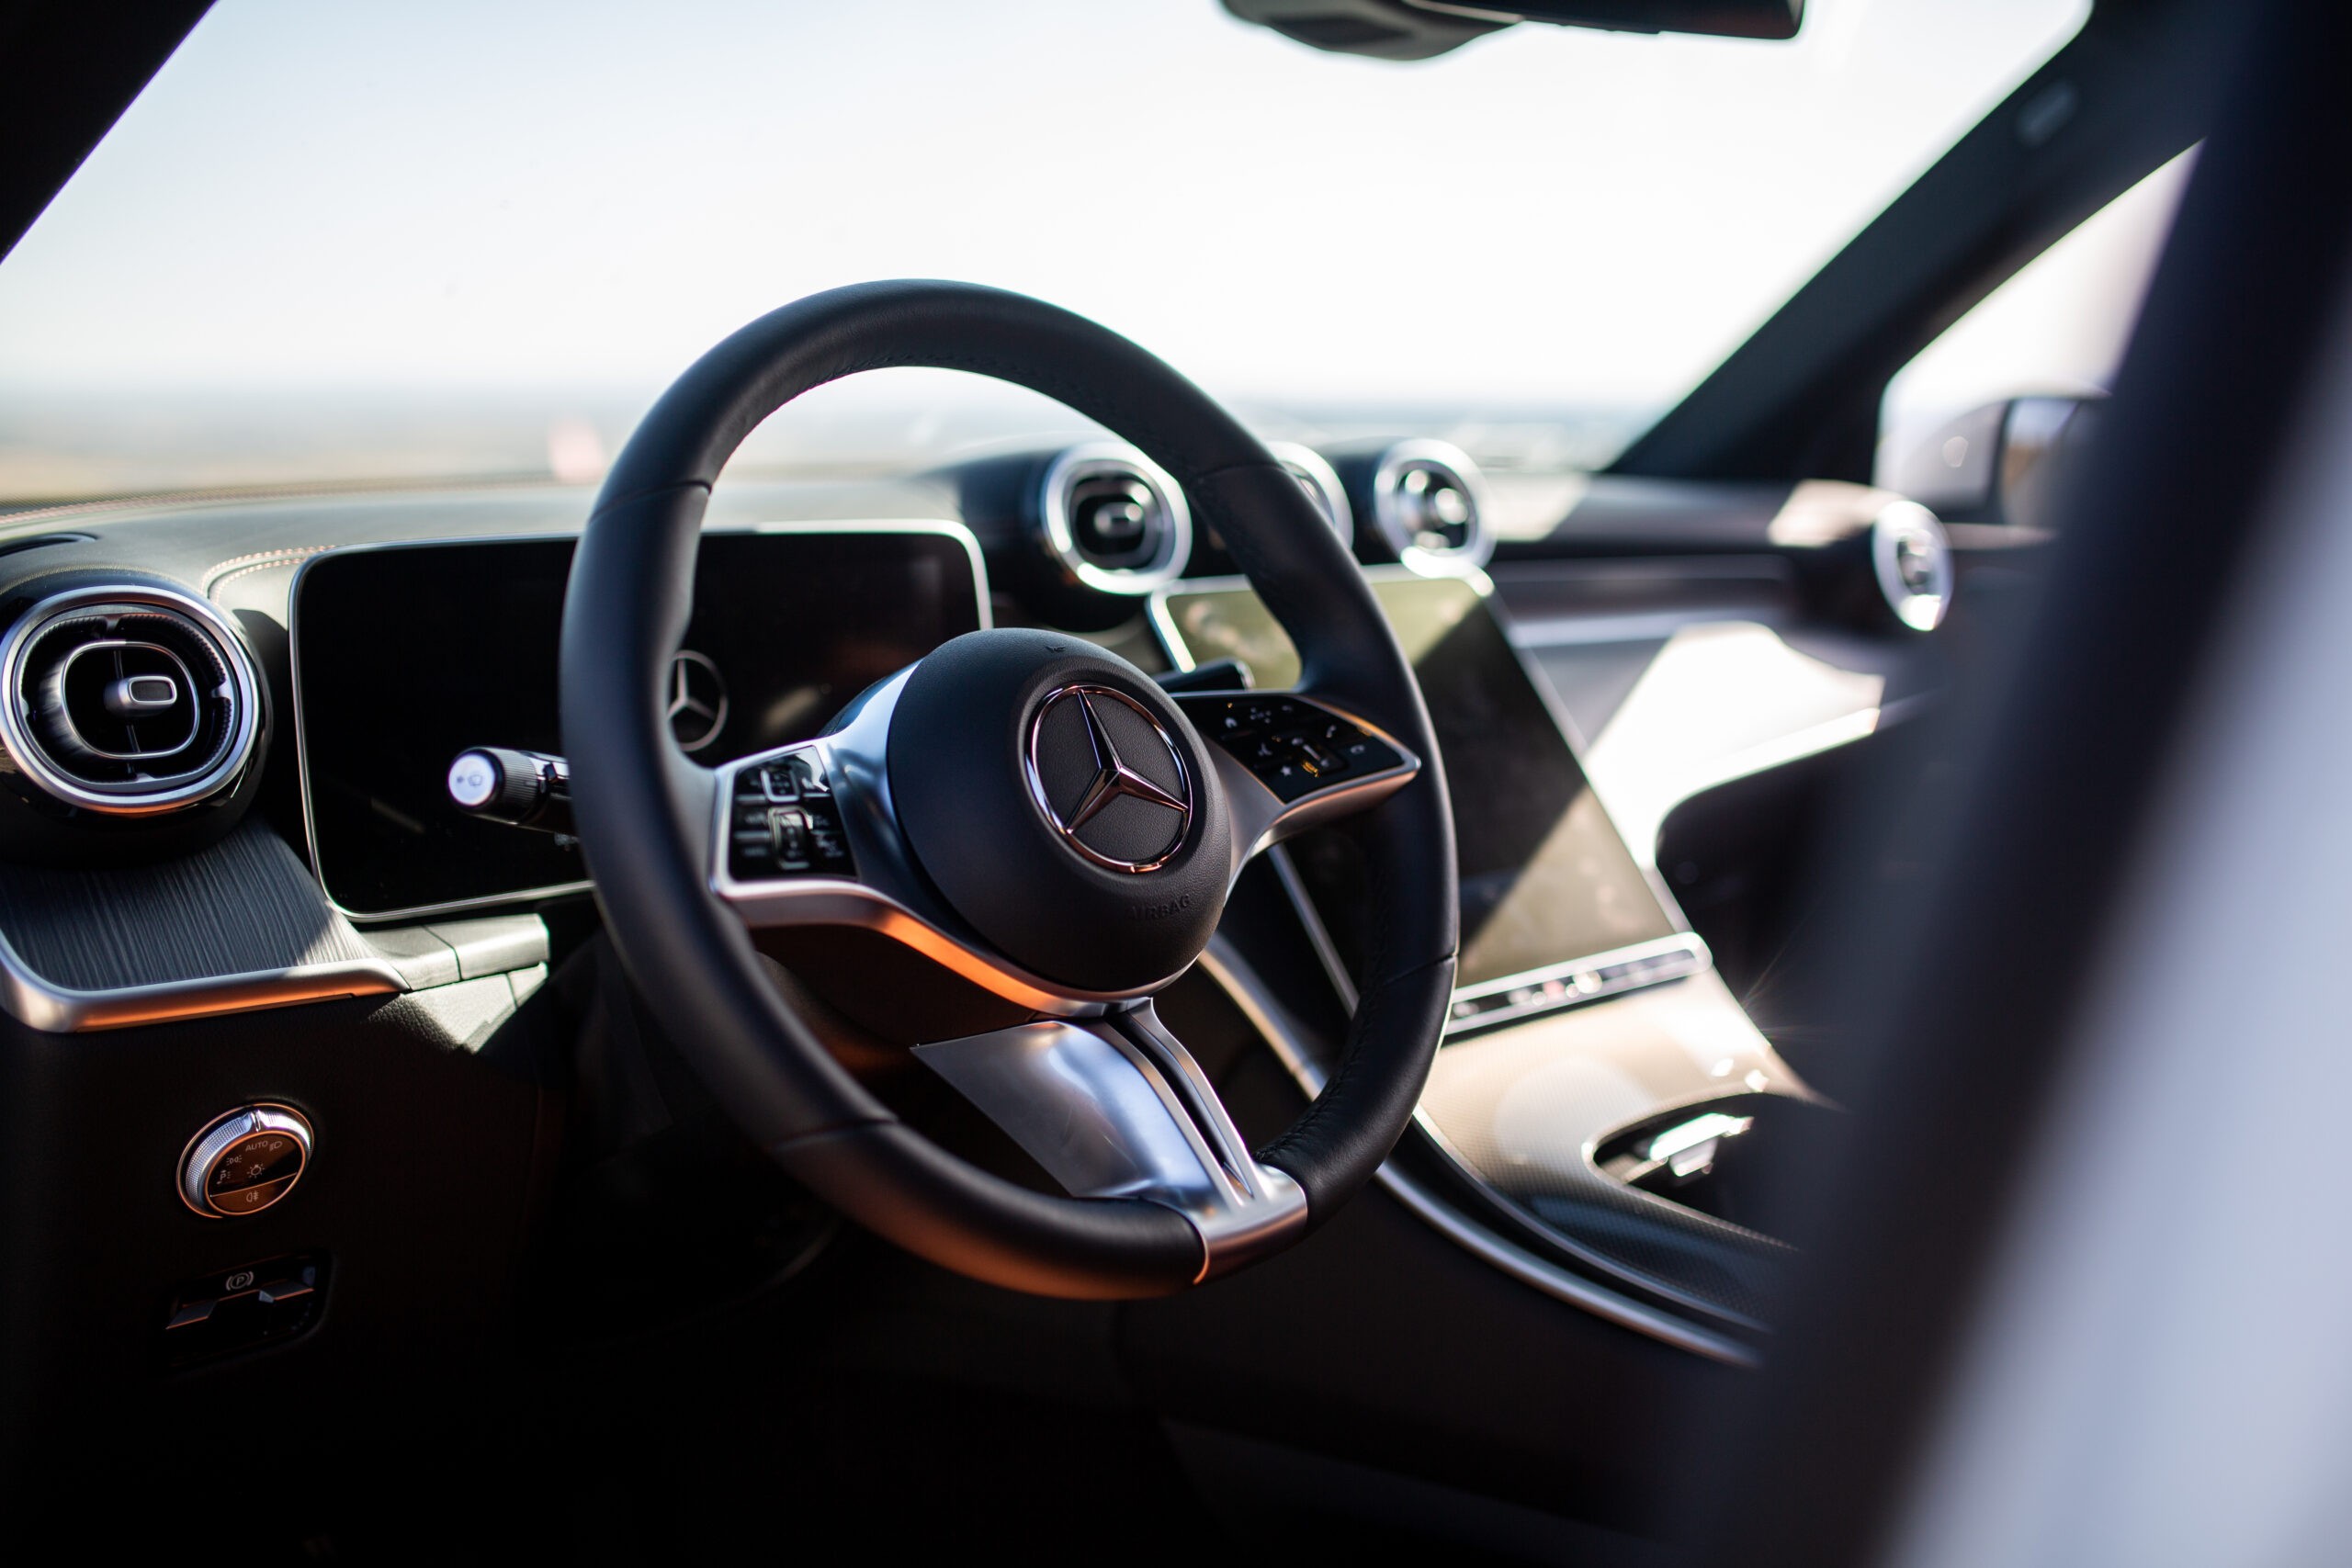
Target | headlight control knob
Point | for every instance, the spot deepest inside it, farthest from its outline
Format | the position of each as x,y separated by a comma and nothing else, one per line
245,1161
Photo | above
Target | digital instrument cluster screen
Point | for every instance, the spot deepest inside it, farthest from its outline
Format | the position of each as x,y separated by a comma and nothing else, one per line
1545,877
406,655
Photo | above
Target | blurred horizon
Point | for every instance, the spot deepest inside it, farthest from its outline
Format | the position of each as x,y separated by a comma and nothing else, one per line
369,241
61,448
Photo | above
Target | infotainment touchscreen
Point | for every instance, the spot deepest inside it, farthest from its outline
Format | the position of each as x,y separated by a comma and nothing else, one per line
406,655
1546,881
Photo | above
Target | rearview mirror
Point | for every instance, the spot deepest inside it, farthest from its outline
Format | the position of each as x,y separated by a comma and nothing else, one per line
1415,30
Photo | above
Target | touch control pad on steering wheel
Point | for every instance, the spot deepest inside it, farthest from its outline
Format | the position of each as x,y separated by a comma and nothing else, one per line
1293,748
785,822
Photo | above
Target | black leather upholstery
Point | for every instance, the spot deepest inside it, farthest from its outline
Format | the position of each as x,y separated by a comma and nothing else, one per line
642,808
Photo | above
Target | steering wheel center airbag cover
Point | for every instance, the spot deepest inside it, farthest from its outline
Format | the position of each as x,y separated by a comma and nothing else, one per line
1062,805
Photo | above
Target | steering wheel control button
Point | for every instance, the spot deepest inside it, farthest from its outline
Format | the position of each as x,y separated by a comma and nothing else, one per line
1109,777
1291,746
787,822
245,1161
239,1308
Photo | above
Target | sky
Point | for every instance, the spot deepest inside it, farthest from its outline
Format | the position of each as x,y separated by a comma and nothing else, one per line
360,198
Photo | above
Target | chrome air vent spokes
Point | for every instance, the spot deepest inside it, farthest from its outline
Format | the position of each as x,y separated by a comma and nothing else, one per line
128,700
1114,519
1429,503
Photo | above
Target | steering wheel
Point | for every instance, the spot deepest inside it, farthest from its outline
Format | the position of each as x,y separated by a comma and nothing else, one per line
1024,808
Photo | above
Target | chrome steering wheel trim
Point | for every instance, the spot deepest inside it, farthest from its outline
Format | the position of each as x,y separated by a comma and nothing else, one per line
889,895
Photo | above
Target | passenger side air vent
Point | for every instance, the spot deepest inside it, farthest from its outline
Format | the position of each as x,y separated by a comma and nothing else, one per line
1428,500
1321,484
128,700
1911,557
1114,518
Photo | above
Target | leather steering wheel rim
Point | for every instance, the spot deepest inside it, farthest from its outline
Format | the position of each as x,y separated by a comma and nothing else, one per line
643,809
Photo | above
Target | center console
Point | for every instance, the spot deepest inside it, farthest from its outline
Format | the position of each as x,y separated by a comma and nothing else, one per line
1593,1121
1555,910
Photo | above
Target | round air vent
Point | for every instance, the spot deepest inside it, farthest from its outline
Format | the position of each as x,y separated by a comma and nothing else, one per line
1114,519
1911,555
128,700
1321,485
1429,503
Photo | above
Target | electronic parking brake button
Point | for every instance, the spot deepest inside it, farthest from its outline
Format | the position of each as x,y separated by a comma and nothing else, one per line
237,1309
784,821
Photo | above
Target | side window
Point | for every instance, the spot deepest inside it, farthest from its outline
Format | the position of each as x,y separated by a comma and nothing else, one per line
1971,426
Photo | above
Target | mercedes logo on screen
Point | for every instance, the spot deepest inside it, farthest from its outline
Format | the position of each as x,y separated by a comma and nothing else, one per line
698,705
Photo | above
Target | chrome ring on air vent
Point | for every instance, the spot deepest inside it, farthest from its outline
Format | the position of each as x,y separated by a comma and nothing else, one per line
1322,486
1911,556
1429,502
128,700
1114,519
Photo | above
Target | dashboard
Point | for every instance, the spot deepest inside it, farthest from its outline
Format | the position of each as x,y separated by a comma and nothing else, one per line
792,621
226,817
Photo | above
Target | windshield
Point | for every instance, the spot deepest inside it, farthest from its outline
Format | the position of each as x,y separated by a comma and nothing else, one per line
379,240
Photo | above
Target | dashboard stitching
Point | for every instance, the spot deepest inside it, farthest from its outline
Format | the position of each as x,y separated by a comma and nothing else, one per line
262,560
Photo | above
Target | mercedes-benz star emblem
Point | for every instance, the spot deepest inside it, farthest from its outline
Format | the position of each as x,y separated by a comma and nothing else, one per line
1106,773
697,706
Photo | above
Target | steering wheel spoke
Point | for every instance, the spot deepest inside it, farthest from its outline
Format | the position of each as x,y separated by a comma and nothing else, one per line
1115,1107
1291,761
807,835
781,822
